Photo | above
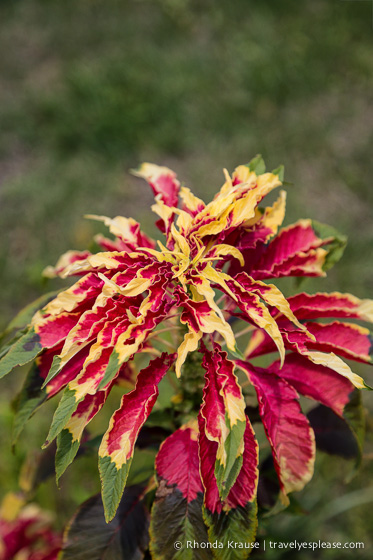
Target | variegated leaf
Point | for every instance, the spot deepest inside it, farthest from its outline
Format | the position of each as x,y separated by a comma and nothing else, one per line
287,429
233,519
177,510
162,180
223,410
334,304
315,381
117,446
68,440
306,248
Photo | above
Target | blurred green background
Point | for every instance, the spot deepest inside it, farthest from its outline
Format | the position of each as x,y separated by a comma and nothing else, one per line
89,89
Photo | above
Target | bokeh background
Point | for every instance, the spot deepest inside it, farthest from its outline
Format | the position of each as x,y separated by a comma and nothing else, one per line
89,89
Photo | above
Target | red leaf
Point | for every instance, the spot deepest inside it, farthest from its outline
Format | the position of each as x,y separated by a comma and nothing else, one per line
177,462
244,489
117,446
162,180
314,381
287,429
294,252
344,339
134,409
223,411
314,306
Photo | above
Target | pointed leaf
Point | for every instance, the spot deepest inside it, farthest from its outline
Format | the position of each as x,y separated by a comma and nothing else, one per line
177,510
68,440
235,518
336,245
151,312
344,339
257,165
23,317
280,171
33,394
162,180
256,311
89,537
44,333
287,429
23,351
86,382
223,410
116,450
271,295
305,248
315,381
28,401
301,343
64,261
334,304
126,230
63,413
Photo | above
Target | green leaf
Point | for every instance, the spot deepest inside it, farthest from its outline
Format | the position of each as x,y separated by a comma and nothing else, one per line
257,165
65,409
174,519
23,318
10,342
67,448
111,370
336,246
89,537
28,401
117,447
226,474
113,481
280,171
54,370
238,526
236,353
23,351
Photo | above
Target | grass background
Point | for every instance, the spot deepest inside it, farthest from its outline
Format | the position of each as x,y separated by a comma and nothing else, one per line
89,89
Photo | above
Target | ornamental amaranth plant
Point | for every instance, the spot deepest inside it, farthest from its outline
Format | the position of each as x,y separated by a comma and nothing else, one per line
143,314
